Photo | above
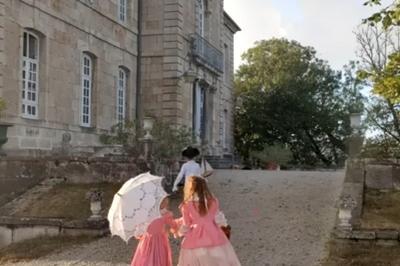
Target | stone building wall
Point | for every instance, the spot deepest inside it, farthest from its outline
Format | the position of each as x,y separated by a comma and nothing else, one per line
67,29
168,29
227,103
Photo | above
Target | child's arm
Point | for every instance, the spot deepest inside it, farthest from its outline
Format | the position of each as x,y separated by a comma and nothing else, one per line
220,219
186,221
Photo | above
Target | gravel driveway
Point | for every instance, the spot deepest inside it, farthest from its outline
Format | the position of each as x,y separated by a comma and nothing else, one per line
277,218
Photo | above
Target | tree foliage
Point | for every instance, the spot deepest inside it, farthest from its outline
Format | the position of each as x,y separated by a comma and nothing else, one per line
389,16
288,96
379,56
381,147
379,52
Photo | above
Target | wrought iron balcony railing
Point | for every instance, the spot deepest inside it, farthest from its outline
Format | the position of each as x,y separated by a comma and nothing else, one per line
206,54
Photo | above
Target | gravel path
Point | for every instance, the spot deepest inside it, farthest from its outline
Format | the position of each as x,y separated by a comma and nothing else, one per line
277,218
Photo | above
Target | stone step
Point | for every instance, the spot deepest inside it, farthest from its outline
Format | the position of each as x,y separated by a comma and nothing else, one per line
218,162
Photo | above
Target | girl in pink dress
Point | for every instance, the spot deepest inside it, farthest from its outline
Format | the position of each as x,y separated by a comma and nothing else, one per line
153,248
204,242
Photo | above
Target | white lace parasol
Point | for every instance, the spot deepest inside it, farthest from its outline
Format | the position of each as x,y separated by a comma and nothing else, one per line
135,206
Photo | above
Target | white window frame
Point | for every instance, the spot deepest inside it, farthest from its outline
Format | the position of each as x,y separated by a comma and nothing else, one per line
87,88
30,78
122,10
122,82
201,16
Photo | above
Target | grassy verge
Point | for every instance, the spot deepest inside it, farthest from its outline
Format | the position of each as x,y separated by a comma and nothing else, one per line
352,253
39,247
381,210
67,201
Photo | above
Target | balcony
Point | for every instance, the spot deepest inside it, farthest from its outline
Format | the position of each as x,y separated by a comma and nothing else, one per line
205,54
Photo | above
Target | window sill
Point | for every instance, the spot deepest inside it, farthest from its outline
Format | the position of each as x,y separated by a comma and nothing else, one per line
30,118
87,129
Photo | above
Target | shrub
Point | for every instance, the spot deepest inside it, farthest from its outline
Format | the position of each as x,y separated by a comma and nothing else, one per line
381,147
168,142
274,154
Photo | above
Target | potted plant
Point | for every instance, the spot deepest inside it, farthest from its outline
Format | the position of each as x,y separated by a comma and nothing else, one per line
3,126
95,197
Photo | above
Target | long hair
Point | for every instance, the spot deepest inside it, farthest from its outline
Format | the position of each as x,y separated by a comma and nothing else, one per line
197,186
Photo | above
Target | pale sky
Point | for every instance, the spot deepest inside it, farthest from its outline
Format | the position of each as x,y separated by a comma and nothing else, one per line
327,25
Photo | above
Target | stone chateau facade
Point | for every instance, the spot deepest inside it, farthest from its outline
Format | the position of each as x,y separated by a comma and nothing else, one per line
71,69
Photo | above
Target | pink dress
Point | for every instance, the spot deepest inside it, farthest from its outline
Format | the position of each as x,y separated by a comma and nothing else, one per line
204,243
153,248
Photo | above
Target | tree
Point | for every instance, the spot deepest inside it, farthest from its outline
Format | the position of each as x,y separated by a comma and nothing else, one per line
389,16
289,96
379,53
379,65
387,84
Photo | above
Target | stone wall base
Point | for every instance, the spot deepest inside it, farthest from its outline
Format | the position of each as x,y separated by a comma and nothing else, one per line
14,230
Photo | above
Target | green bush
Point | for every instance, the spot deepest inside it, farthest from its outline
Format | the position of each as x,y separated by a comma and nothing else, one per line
168,141
274,154
123,134
381,147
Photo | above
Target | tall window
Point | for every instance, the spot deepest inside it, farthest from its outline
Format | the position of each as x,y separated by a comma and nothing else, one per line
199,110
87,74
202,16
225,129
122,8
121,94
226,63
30,75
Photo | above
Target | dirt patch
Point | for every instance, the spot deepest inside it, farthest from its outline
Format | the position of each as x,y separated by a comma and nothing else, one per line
381,210
39,247
66,201
352,253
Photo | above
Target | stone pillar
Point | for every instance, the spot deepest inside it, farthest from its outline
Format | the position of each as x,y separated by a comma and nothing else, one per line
355,143
2,45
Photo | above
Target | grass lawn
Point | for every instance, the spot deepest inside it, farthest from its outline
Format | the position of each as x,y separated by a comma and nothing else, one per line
67,201
352,253
381,210
39,247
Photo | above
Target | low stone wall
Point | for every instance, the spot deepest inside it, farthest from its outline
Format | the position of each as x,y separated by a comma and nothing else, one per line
17,174
364,174
383,237
14,230
382,175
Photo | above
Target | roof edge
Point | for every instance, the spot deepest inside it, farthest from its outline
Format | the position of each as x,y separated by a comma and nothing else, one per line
232,25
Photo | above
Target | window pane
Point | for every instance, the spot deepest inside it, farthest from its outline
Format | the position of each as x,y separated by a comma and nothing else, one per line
33,47
25,41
